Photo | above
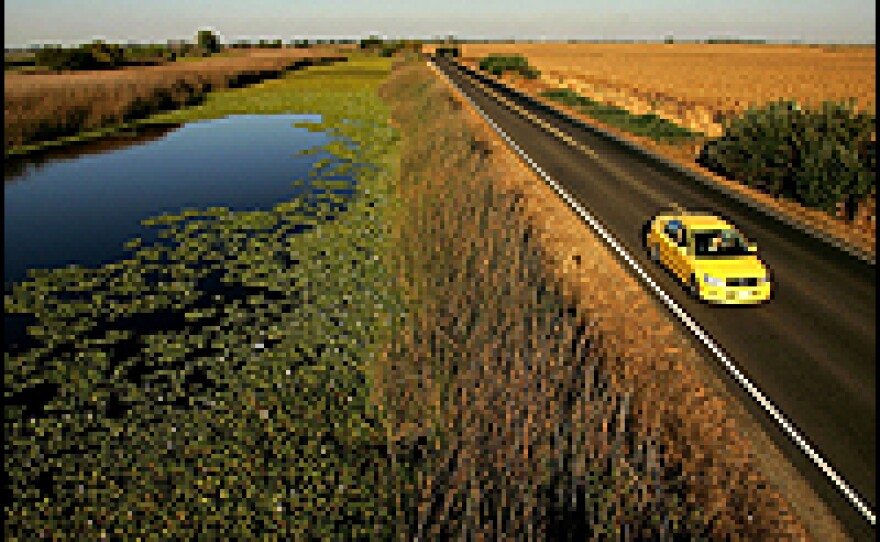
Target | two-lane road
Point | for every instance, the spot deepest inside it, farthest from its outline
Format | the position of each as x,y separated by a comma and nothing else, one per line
811,350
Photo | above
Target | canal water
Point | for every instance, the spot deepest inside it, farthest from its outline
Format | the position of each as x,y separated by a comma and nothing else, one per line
82,205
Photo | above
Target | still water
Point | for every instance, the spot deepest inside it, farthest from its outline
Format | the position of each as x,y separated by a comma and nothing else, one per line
81,209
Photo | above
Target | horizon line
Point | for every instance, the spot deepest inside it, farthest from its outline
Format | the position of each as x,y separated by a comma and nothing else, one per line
449,38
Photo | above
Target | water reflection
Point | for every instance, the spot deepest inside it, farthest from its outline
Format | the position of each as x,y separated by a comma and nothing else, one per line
81,209
17,168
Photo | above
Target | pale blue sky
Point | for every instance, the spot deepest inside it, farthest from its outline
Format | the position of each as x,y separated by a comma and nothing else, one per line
77,21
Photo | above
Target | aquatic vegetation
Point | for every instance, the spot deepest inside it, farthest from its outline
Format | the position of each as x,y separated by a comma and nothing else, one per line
216,380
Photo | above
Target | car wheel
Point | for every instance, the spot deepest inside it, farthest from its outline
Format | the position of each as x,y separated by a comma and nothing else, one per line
694,287
654,253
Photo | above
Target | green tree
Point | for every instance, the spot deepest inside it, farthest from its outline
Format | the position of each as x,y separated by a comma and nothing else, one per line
208,41
59,58
107,55
372,43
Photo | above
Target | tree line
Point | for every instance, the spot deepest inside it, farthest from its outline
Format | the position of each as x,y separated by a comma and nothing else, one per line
99,55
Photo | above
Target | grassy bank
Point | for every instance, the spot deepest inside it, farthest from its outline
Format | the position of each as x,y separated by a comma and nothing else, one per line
43,110
216,384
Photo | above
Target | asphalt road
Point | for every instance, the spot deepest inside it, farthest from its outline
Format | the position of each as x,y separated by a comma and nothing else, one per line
811,350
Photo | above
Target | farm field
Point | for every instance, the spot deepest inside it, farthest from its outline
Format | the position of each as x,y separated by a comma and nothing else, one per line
698,85
45,107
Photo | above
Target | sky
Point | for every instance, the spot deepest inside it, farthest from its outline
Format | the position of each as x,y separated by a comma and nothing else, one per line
78,21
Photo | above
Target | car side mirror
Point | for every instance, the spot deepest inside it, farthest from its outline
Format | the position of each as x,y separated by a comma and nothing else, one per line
753,247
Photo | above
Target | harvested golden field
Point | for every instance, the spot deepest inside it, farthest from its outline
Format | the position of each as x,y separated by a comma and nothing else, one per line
42,107
696,85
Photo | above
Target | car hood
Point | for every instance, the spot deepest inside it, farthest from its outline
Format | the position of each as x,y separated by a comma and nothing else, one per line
733,267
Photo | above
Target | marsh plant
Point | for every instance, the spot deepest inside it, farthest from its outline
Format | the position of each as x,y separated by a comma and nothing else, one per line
215,383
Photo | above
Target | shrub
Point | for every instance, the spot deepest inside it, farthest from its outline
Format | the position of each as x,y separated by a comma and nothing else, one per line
372,43
93,56
106,55
146,54
497,64
448,51
58,58
390,49
821,157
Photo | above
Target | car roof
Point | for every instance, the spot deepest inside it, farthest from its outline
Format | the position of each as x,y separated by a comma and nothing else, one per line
699,221
707,222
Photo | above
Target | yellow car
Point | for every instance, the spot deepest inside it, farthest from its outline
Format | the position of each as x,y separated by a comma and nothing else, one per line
710,256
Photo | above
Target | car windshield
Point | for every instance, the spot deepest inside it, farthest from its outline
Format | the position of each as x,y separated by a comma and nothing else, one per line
718,243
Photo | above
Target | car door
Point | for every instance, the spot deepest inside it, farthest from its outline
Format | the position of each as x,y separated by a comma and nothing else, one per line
669,247
682,256
678,255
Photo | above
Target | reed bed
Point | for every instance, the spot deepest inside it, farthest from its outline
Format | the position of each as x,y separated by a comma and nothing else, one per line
511,412
44,107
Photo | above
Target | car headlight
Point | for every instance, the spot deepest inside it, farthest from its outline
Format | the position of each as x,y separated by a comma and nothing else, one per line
712,281
764,279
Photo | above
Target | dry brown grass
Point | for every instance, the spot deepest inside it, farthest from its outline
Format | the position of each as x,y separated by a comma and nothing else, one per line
519,395
43,107
697,85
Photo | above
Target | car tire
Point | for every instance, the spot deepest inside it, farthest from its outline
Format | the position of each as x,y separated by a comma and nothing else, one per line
694,287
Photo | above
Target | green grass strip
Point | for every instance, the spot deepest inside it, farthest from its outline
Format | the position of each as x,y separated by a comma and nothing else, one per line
648,125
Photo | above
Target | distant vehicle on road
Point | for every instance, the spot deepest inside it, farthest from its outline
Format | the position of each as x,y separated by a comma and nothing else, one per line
709,255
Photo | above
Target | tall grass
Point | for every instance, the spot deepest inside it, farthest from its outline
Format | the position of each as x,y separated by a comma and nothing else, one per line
496,376
509,414
45,107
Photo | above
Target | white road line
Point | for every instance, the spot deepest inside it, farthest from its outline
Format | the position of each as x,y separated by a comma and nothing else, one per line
634,183
841,484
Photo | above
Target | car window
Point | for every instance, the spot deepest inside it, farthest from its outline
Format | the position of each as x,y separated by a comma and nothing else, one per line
677,232
671,228
719,243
